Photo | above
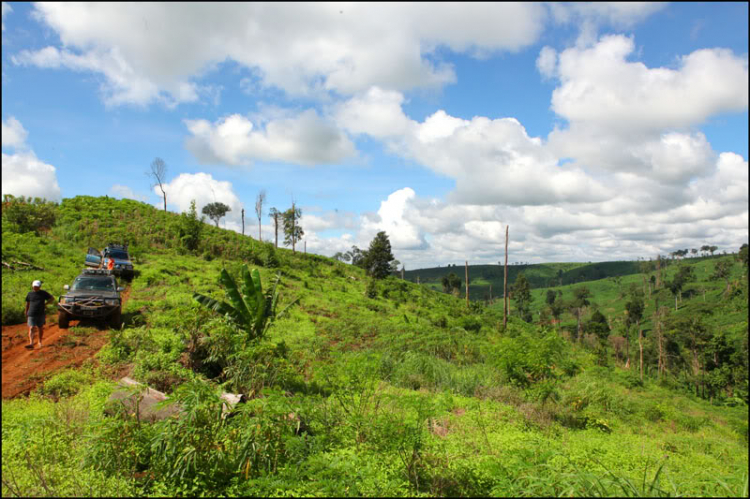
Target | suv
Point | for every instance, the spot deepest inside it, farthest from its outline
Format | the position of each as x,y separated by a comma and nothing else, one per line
123,266
93,295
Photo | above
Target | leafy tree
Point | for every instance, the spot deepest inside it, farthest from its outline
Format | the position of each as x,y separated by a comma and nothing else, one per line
379,256
394,266
215,211
24,214
293,232
190,228
342,257
634,309
675,287
521,293
598,325
550,297
705,248
722,270
743,254
451,282
557,307
580,301
712,249
249,309
357,256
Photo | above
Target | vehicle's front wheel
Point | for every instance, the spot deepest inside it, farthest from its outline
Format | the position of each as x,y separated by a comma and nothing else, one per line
115,320
63,319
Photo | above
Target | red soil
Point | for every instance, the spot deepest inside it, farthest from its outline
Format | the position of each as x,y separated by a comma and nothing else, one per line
23,369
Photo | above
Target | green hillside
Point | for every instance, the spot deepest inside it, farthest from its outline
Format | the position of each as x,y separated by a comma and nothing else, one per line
541,275
370,388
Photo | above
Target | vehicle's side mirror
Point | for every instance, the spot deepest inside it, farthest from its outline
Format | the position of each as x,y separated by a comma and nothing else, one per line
66,287
120,288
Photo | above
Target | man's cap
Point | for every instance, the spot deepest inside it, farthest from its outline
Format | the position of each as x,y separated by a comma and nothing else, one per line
36,284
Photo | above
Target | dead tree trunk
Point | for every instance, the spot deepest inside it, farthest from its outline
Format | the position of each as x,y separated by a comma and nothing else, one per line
276,229
505,281
293,239
467,284
243,221
640,348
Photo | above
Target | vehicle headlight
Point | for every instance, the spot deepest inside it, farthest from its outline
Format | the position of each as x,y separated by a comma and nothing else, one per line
112,302
65,301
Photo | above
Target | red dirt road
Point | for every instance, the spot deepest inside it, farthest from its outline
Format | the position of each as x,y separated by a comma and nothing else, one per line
23,369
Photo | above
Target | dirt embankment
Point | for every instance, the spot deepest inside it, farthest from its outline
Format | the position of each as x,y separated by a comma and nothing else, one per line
23,369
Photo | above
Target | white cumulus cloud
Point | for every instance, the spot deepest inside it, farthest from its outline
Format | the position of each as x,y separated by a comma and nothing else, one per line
149,52
305,139
23,173
14,134
204,189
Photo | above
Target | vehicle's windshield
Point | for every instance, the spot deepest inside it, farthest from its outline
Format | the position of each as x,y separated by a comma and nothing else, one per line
93,284
120,255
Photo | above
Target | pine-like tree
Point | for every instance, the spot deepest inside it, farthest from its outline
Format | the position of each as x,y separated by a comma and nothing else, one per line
379,257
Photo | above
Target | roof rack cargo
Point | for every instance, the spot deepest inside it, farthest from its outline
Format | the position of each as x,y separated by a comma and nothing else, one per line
97,271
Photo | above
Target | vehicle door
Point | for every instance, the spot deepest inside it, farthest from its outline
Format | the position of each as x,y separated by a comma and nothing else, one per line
93,258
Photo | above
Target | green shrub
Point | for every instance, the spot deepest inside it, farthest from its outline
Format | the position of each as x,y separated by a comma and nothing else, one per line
67,382
372,289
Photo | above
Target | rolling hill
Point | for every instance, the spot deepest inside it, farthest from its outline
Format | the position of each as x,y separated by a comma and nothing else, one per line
369,388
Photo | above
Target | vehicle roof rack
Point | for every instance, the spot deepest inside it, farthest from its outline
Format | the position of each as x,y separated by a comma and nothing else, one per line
116,245
97,272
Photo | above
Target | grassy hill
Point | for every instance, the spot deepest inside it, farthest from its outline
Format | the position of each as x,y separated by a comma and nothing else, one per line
364,389
541,275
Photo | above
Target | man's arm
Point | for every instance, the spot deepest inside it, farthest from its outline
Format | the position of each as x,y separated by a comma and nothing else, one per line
27,309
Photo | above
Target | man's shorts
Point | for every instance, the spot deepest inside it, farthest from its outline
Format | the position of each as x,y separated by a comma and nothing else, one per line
36,321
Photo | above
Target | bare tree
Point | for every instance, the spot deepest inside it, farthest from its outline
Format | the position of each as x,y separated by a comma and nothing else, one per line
158,172
243,221
274,214
467,283
505,281
259,209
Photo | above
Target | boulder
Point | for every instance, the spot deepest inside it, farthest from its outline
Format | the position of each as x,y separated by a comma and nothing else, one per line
138,400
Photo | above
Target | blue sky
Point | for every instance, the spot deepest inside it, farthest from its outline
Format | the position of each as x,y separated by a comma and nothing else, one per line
597,131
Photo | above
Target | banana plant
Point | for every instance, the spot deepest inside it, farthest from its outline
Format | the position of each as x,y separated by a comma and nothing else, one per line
249,308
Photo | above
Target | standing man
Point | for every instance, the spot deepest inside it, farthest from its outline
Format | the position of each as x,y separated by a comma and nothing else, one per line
36,300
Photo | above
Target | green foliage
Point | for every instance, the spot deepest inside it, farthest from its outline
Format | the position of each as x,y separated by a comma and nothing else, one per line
191,228
409,393
521,293
216,211
251,310
378,260
526,359
451,283
598,325
293,232
22,214
66,383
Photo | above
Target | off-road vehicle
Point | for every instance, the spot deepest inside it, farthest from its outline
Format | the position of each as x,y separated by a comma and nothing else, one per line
93,295
123,265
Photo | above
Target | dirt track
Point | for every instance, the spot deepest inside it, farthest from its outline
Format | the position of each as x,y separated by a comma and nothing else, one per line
23,369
